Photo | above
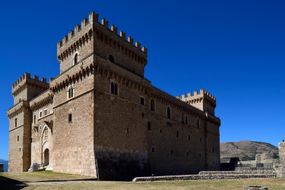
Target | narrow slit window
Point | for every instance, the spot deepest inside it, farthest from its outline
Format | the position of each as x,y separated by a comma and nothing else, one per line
168,113
152,105
75,59
114,88
70,118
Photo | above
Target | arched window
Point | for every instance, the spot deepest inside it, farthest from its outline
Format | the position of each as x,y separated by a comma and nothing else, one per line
168,112
70,92
152,105
75,59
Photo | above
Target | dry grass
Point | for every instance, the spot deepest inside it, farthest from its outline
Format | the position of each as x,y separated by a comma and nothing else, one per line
273,184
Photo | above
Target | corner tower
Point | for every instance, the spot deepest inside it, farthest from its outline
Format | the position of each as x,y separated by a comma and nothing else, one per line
20,116
202,100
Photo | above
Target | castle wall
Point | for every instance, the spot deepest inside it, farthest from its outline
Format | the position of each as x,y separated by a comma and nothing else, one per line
38,139
213,146
19,138
15,146
169,147
108,44
120,142
74,141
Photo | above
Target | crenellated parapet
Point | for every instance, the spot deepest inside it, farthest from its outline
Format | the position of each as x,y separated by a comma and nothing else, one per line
202,100
31,80
92,25
197,96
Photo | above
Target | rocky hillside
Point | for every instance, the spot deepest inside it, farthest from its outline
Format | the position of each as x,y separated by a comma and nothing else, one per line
246,150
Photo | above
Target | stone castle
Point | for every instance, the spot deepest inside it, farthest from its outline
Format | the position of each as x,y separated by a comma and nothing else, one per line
101,117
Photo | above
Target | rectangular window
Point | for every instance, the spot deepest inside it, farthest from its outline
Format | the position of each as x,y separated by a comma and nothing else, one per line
149,126
70,118
142,101
114,88
18,138
35,119
16,122
41,114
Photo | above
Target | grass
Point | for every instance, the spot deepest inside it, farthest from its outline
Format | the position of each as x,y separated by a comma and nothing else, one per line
273,184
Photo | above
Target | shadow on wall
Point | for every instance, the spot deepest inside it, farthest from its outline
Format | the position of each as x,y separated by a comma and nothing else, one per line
10,184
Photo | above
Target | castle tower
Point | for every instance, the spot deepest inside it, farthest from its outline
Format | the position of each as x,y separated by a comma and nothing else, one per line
20,116
96,39
202,100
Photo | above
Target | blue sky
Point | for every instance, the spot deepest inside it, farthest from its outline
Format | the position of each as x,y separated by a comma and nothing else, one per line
235,49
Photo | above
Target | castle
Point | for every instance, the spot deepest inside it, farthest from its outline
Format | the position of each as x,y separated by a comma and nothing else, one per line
101,117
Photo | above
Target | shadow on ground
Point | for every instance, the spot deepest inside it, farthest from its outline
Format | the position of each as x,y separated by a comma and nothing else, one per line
10,184
59,180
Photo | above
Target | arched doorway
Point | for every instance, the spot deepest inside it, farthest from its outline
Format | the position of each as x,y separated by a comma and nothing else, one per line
46,157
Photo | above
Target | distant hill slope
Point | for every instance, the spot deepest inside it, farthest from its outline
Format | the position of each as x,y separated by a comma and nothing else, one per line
246,150
5,162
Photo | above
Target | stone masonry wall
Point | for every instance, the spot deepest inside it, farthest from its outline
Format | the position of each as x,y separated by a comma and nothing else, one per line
74,141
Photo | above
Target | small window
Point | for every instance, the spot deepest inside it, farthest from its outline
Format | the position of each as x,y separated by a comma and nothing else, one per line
168,112
75,59
18,138
127,131
177,133
114,88
171,152
152,105
41,114
70,118
16,122
142,101
198,123
70,92
152,149
111,58
188,137
45,112
186,120
35,119
200,139
148,126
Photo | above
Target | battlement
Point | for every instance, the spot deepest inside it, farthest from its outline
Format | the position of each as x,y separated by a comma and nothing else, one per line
196,95
93,20
27,78
202,100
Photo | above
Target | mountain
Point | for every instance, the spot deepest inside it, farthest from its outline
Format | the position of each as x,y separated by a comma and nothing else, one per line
246,150
5,162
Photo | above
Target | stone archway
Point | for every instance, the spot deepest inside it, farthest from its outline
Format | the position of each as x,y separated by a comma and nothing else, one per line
46,157
46,148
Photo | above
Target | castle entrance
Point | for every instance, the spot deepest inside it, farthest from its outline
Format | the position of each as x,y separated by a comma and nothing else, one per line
46,157
46,148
